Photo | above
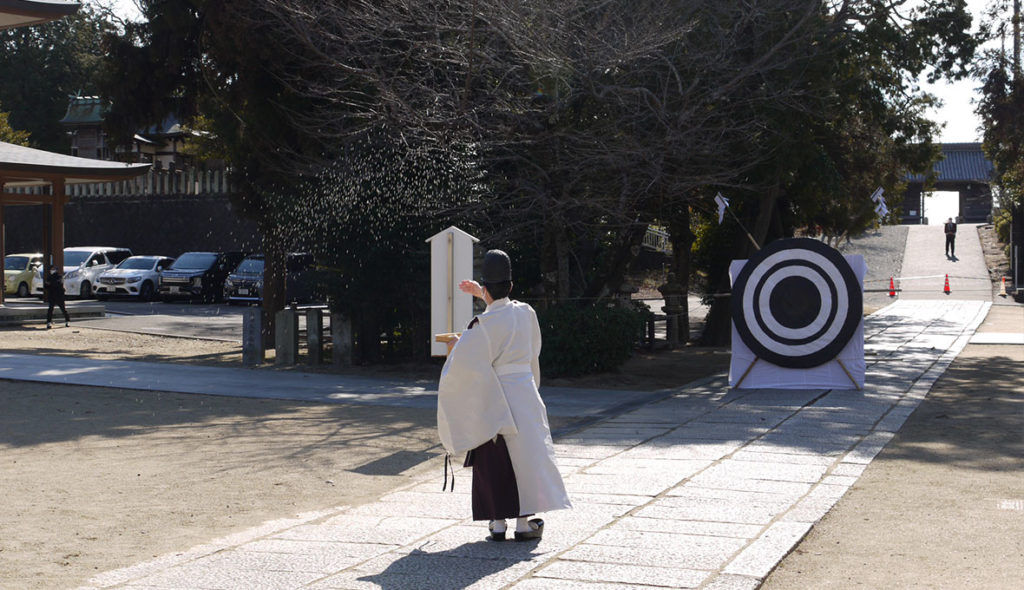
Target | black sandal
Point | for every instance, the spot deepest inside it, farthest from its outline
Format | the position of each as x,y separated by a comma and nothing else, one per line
495,536
535,532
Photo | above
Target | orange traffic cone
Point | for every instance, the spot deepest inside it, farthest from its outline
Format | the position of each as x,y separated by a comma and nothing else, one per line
892,288
945,289
1002,289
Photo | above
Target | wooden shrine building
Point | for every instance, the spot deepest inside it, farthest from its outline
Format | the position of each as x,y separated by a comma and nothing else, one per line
27,167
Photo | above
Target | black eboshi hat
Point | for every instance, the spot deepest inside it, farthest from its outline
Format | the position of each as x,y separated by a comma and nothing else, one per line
497,267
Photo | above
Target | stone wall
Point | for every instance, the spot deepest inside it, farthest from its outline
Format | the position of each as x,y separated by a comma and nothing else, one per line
152,224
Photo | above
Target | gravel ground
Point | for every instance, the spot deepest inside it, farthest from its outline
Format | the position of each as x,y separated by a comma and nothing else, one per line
996,261
883,250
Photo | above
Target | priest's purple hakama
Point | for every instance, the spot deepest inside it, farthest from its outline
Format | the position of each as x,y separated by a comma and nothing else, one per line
488,406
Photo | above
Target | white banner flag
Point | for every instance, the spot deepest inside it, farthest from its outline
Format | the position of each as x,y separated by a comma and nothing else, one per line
880,207
722,204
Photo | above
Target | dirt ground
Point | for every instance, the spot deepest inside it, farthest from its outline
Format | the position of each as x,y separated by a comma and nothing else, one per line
96,479
942,506
647,370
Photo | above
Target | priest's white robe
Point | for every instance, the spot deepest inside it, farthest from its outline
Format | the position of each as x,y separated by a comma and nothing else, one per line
489,387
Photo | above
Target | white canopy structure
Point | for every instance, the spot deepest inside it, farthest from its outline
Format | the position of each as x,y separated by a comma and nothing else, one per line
20,13
23,166
26,167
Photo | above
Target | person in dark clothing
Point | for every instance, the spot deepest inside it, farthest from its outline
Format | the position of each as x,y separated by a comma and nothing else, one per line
54,286
950,229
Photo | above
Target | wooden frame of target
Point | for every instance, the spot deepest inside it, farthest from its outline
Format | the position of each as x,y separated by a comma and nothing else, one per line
797,305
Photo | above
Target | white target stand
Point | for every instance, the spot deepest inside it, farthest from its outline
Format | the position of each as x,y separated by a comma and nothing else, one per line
797,309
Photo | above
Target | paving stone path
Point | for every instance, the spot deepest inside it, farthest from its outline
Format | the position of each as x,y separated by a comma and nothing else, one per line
705,488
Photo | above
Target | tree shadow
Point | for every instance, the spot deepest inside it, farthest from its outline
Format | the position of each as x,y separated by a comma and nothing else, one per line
459,567
255,430
973,418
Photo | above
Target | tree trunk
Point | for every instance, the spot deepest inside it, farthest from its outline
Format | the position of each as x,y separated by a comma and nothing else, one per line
274,272
368,336
562,260
682,240
625,252
718,326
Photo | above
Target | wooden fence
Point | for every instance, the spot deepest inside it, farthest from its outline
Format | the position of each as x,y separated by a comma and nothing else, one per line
155,182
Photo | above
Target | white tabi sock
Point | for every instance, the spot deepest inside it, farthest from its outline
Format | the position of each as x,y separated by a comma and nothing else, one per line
523,524
498,526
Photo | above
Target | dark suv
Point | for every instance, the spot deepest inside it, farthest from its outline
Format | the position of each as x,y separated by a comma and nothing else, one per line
198,276
245,284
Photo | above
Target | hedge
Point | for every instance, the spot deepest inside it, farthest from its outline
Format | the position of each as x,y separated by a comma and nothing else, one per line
579,340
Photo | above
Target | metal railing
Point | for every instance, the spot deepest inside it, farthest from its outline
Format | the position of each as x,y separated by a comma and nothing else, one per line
657,239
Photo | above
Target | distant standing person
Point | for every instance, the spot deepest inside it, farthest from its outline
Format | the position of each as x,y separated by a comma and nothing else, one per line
488,405
950,229
54,285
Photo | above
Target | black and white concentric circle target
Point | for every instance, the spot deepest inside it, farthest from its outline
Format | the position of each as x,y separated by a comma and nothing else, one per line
796,303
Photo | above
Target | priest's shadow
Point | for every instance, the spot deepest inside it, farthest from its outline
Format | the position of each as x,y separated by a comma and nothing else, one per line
451,569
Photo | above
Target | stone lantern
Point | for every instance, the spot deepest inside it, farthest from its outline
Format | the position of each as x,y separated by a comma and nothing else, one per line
673,291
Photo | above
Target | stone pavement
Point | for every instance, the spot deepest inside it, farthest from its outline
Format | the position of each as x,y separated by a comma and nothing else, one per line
925,265
705,487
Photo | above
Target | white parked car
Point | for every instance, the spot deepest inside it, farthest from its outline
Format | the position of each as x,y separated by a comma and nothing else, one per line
83,267
138,276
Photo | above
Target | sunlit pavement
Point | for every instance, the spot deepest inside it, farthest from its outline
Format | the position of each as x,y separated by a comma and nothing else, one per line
926,268
705,487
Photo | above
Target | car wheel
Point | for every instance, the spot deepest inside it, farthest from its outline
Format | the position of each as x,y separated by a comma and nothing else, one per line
146,292
23,290
85,292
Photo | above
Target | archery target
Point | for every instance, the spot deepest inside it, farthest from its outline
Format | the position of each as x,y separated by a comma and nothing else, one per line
796,303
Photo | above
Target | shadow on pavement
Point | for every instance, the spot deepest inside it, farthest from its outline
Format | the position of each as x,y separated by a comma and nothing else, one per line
460,567
973,417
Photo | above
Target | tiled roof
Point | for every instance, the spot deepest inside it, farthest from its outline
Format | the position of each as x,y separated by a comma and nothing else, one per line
169,126
84,110
961,162
21,165
90,110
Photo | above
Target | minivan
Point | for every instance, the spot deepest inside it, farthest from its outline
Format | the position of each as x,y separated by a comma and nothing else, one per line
83,266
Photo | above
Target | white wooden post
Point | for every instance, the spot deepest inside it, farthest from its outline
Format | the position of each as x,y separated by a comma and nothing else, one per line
451,262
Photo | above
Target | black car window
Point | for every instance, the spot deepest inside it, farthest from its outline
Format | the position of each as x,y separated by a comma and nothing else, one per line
75,257
250,266
117,256
195,260
136,263
15,262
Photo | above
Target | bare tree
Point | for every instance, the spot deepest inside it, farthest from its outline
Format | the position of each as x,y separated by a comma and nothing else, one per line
587,120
